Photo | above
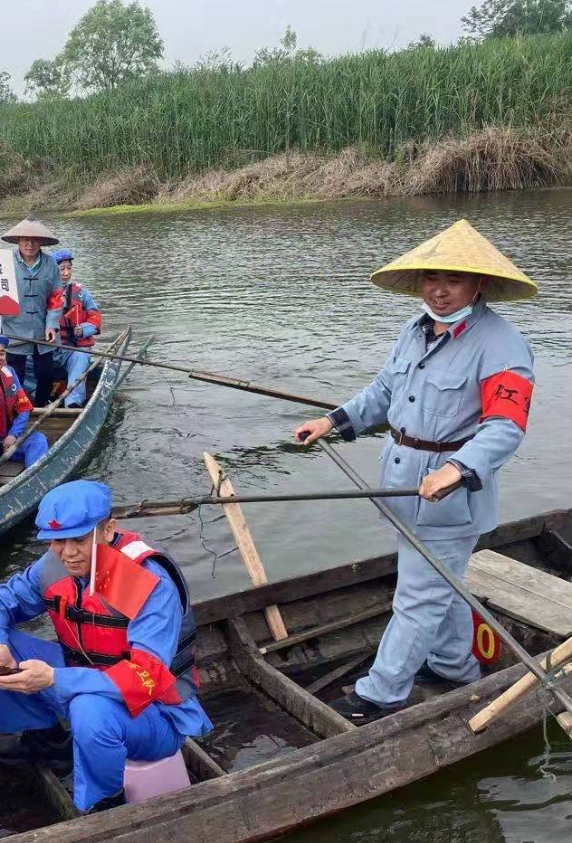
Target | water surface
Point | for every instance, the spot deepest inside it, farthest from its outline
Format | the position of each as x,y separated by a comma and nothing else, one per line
281,296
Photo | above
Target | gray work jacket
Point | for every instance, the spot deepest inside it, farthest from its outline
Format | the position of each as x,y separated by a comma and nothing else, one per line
41,307
436,395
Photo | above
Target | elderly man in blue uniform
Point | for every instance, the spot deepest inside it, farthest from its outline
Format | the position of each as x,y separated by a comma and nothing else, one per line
79,325
15,409
40,295
122,673
455,391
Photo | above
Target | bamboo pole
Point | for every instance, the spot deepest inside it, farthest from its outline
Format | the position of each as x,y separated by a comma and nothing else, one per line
517,691
149,509
245,542
196,374
9,452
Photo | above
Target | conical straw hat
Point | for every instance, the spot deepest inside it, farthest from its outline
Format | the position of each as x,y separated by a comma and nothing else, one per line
459,248
31,227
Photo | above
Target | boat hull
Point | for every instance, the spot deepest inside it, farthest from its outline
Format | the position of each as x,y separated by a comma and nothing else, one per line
21,496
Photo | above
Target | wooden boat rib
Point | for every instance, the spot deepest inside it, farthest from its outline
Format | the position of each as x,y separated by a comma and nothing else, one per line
70,433
323,764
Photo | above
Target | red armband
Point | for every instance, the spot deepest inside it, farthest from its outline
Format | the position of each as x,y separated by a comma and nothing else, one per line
23,403
94,318
55,300
508,395
143,680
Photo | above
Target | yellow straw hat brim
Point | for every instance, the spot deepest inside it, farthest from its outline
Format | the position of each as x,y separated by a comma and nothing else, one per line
461,249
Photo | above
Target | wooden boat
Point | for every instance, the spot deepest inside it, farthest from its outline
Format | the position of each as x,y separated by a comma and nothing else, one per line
71,433
280,757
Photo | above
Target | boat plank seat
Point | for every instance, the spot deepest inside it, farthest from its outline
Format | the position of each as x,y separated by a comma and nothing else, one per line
10,469
524,593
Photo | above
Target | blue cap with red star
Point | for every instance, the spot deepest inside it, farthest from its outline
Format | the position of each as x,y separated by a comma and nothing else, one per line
73,509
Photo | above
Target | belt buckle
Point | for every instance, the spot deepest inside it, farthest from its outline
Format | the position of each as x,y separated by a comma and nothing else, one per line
399,438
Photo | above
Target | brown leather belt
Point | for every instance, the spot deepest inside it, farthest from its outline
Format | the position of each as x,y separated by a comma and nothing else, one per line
424,445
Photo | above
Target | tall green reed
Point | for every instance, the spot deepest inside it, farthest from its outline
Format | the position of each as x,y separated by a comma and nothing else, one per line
189,121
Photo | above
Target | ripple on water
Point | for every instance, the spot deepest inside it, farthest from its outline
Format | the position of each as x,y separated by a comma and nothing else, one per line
281,296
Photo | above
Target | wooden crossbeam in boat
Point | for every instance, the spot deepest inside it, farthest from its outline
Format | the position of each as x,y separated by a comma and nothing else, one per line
54,793
200,761
521,592
316,715
333,626
337,673
245,543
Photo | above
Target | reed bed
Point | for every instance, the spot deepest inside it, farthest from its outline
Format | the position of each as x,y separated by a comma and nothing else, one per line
388,103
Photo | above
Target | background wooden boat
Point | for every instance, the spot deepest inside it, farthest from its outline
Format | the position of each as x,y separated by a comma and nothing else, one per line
71,434
314,762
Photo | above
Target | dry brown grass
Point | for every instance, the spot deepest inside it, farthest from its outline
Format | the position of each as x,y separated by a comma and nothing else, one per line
133,186
493,159
291,176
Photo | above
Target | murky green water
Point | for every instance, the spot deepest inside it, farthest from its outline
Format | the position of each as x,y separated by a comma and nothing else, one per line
281,296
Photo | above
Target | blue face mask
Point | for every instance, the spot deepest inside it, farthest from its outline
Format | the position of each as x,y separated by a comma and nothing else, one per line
452,317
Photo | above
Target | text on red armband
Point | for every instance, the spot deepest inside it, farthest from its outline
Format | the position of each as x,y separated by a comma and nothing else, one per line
508,395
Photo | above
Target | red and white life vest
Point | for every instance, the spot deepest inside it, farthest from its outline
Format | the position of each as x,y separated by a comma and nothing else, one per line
75,314
13,401
93,633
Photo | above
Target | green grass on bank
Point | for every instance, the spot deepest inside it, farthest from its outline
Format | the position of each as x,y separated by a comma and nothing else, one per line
190,121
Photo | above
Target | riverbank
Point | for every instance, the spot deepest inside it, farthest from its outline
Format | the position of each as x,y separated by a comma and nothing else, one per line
467,118
491,160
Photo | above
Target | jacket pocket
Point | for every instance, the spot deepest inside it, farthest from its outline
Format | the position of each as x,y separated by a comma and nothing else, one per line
443,393
452,511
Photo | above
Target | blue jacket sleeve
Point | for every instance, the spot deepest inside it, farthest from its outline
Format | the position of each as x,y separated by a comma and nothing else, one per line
155,630
88,330
19,424
20,599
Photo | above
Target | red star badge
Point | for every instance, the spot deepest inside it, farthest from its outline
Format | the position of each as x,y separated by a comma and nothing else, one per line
54,525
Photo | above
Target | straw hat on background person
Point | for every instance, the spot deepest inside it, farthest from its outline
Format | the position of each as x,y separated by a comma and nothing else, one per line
460,249
31,227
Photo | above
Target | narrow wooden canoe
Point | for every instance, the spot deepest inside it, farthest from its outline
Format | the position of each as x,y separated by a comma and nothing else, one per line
71,434
280,757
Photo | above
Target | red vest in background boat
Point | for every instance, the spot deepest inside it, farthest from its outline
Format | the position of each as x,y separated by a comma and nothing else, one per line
75,314
93,633
13,401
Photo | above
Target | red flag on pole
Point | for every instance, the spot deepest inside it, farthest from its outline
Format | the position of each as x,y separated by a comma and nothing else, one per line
9,302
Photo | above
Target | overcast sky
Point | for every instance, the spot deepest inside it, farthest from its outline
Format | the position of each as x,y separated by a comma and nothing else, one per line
38,28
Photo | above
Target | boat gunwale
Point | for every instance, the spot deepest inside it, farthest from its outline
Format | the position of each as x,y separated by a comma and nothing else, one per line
102,391
322,581
128,822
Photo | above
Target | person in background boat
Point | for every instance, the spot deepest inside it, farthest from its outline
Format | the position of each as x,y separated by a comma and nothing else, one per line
122,673
40,295
79,325
455,391
15,409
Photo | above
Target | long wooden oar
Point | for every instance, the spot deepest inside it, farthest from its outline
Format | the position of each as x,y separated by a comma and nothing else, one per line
455,584
147,509
245,543
195,374
9,452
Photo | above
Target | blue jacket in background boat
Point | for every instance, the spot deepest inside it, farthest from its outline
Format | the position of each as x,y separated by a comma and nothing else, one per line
437,394
40,293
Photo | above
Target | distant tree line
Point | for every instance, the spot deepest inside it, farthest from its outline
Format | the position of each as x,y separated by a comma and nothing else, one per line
115,43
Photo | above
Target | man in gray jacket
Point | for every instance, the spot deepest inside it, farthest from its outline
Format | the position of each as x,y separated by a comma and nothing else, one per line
455,391
40,293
